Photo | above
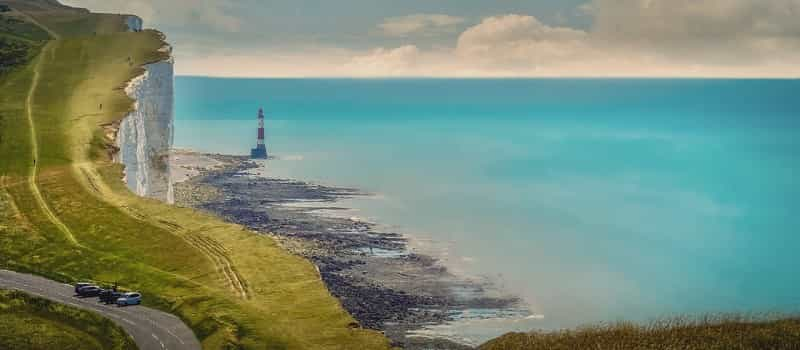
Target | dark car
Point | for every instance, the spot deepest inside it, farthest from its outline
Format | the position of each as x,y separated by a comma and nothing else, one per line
89,291
110,296
80,285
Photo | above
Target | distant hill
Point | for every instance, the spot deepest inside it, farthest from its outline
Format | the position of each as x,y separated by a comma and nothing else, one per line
41,6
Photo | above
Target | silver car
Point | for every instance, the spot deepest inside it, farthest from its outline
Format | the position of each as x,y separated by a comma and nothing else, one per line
130,298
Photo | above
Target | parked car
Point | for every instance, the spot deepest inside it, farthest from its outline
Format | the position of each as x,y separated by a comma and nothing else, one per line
89,291
110,296
130,298
80,285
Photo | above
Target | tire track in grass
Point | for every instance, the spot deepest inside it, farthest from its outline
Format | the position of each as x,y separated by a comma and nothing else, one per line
221,260
215,252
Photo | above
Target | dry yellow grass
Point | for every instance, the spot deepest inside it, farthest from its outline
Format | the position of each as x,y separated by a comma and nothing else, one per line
707,333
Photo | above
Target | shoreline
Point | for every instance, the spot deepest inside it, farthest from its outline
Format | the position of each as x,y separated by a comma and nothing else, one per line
374,274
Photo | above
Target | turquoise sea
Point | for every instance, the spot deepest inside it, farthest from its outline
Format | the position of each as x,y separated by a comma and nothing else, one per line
591,199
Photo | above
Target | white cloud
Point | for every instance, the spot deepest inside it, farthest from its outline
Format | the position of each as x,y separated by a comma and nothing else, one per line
720,32
736,38
660,38
389,62
519,41
424,24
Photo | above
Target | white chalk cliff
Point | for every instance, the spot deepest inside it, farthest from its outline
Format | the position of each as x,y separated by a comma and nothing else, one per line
134,23
145,135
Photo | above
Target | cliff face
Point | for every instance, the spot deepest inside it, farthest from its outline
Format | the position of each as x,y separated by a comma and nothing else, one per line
134,23
145,135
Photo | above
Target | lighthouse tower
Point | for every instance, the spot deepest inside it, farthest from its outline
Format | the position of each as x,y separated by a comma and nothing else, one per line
260,152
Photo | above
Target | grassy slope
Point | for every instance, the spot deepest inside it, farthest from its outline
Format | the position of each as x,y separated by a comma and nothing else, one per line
28,323
182,260
722,334
19,40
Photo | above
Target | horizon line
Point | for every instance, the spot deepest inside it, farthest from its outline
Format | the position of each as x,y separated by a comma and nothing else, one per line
677,77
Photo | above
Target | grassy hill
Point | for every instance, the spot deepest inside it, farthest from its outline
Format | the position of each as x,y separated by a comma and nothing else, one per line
19,39
68,216
31,323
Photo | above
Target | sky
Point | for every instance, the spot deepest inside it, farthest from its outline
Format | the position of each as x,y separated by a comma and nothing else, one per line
472,38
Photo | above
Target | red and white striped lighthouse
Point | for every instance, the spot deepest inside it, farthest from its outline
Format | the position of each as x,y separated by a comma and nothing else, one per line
260,152
260,126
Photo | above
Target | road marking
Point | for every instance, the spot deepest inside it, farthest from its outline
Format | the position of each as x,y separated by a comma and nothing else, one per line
159,340
174,335
128,321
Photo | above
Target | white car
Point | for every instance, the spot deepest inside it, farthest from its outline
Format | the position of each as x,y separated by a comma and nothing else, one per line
130,298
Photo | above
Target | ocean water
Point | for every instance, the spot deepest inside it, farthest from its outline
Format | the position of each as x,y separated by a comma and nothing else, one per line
594,200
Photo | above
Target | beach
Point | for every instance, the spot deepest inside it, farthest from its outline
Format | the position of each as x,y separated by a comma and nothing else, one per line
382,283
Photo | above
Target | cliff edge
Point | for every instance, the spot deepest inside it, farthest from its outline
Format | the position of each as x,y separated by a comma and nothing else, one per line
145,135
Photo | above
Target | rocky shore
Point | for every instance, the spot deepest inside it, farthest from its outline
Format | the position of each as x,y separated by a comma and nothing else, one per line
374,275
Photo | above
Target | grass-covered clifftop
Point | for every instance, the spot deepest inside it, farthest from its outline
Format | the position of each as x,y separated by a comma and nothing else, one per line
68,215
32,323
708,333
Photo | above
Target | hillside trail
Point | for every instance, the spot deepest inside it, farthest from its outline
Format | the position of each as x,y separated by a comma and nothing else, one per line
34,170
85,169
32,183
87,172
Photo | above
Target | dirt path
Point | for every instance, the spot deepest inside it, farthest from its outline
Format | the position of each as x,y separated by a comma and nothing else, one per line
207,246
37,194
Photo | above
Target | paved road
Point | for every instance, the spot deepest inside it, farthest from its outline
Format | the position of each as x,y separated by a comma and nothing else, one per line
151,329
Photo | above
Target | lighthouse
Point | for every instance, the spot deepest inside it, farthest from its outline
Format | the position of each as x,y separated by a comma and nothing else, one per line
260,152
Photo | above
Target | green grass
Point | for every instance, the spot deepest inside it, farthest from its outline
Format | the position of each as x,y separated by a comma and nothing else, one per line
19,40
708,333
183,261
29,323
13,26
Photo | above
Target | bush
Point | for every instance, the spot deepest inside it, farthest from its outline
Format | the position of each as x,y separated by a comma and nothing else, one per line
12,53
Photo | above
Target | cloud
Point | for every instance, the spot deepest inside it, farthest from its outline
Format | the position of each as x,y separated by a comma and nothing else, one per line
710,31
421,24
519,40
623,38
389,62
645,38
